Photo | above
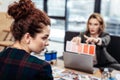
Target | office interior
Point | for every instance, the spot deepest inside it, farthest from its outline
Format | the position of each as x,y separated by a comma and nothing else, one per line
71,15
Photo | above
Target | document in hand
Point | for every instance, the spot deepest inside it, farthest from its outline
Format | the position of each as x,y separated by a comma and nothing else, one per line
81,48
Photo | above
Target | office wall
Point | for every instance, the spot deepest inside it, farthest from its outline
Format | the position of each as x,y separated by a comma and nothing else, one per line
4,4
115,8
5,20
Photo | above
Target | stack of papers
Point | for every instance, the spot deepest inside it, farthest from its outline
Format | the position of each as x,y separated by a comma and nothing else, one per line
62,74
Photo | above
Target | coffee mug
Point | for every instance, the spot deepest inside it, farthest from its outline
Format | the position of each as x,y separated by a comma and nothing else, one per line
50,55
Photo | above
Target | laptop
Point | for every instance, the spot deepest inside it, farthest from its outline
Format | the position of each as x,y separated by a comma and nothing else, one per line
81,62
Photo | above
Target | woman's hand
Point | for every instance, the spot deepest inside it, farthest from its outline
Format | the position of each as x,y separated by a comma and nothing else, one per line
77,40
92,40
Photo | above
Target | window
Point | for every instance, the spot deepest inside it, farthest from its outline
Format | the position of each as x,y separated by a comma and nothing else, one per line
110,9
56,10
39,4
56,7
57,30
78,13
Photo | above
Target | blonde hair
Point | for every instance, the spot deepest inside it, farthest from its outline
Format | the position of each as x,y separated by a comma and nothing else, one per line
99,19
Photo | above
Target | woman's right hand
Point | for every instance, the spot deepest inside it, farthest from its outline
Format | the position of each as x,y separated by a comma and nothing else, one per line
77,40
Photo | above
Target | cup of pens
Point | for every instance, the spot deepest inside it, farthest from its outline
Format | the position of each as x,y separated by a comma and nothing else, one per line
51,56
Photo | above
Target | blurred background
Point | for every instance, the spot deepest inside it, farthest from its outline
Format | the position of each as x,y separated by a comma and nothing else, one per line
71,15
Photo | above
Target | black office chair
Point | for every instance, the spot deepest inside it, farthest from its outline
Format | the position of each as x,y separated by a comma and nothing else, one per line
114,47
68,36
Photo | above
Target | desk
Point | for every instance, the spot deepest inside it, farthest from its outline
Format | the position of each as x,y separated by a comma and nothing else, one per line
97,74
60,67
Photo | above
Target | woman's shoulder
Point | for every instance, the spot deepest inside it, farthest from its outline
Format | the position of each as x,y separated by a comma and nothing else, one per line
13,51
104,34
37,60
22,53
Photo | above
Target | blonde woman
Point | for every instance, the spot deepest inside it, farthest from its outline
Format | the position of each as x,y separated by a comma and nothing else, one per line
95,34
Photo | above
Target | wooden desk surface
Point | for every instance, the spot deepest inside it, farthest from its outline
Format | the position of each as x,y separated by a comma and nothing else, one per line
60,64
